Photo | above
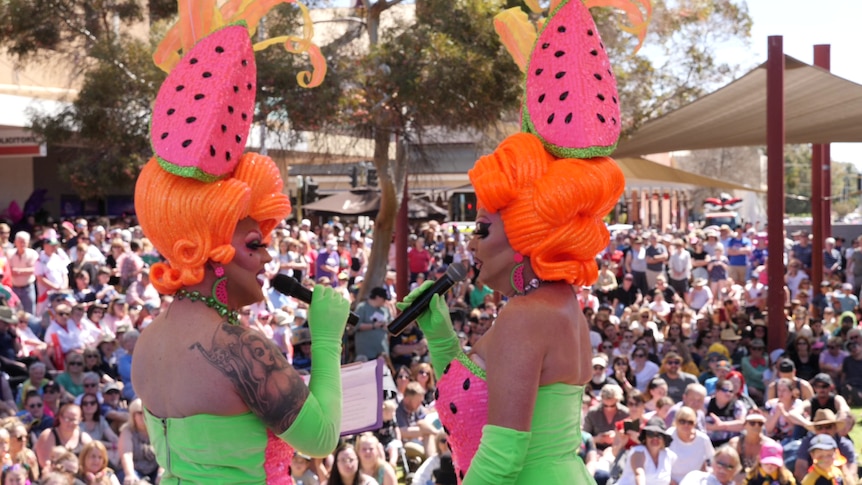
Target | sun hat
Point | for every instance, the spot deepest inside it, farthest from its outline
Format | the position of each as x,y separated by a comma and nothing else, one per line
729,334
655,425
300,336
771,453
8,315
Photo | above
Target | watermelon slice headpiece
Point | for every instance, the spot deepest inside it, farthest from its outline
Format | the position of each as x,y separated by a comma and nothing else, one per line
571,102
205,107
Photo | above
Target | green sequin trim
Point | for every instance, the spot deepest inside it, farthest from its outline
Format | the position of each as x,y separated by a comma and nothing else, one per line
471,366
232,317
189,172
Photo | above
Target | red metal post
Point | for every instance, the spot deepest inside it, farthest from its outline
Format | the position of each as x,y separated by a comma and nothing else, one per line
402,228
822,60
775,196
817,215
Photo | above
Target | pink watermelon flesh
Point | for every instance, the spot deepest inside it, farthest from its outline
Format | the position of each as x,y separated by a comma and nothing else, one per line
205,107
571,100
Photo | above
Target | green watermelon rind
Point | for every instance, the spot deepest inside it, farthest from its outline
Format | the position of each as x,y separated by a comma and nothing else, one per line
190,171
527,123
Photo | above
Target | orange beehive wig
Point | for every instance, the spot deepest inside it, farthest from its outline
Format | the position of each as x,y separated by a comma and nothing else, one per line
552,208
191,222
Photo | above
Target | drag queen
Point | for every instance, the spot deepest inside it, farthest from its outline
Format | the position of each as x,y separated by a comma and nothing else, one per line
221,403
512,406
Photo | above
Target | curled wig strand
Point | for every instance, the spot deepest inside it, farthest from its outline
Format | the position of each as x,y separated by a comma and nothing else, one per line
552,208
191,222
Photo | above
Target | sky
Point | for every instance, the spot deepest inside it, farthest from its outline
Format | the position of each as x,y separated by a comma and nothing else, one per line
804,24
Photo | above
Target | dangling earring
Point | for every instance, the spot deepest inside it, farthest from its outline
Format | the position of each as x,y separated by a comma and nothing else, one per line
516,277
220,286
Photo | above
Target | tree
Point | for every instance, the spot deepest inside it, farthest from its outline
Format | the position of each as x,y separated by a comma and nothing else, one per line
103,134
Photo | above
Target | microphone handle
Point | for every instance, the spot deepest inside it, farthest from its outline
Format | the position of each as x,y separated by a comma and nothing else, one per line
295,289
419,305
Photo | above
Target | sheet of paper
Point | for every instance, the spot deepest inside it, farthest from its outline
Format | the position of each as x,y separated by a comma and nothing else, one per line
362,396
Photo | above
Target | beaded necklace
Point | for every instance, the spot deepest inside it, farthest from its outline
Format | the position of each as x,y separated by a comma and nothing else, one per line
232,316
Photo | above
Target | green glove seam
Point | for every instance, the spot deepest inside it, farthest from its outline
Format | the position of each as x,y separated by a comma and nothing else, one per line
500,457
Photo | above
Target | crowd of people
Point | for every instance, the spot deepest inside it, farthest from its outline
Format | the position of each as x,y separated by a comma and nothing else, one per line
665,359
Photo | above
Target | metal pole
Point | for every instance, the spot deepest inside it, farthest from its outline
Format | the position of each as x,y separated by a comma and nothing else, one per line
822,60
775,197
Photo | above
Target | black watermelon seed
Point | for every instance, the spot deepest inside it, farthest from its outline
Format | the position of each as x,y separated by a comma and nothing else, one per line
559,54
589,31
461,474
610,73
207,74
541,97
180,88
546,45
193,60
248,86
598,76
171,111
191,119
539,71
614,98
614,120
551,118
244,62
236,89
601,118
446,370
446,430
238,139
219,49
466,384
244,116
436,394
199,97
561,29
223,128
187,143
212,151
601,45
560,74
564,96
227,156
453,408
230,109
164,135
568,118
601,97
594,52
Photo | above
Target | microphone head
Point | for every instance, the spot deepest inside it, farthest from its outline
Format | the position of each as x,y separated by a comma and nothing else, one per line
284,284
456,272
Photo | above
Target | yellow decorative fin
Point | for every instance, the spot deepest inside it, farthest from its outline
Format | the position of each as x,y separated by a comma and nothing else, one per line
632,8
517,34
302,45
533,5
196,19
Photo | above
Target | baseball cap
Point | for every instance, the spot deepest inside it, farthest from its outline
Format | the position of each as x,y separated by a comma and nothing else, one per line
822,442
822,378
771,453
786,365
599,361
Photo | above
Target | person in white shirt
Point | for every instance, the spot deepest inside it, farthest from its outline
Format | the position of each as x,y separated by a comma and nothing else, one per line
693,448
62,335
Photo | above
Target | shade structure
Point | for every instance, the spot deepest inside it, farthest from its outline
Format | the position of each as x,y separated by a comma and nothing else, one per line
820,107
367,203
641,172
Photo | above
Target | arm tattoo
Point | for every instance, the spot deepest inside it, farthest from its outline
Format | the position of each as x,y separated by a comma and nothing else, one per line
259,372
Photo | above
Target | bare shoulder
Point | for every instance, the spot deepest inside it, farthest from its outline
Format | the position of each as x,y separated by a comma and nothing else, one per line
551,307
260,374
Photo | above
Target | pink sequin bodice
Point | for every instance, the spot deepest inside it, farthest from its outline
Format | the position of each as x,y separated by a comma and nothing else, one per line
462,405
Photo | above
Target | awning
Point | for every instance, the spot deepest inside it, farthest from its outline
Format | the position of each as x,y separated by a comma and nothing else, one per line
641,172
819,107
367,203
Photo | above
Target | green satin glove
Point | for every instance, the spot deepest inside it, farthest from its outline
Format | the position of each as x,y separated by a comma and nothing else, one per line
327,314
500,457
317,428
443,343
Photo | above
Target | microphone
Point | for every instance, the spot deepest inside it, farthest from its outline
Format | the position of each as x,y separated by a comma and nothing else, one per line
454,274
287,285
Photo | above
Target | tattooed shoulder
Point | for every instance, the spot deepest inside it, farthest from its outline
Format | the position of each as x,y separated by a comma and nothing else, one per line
259,372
